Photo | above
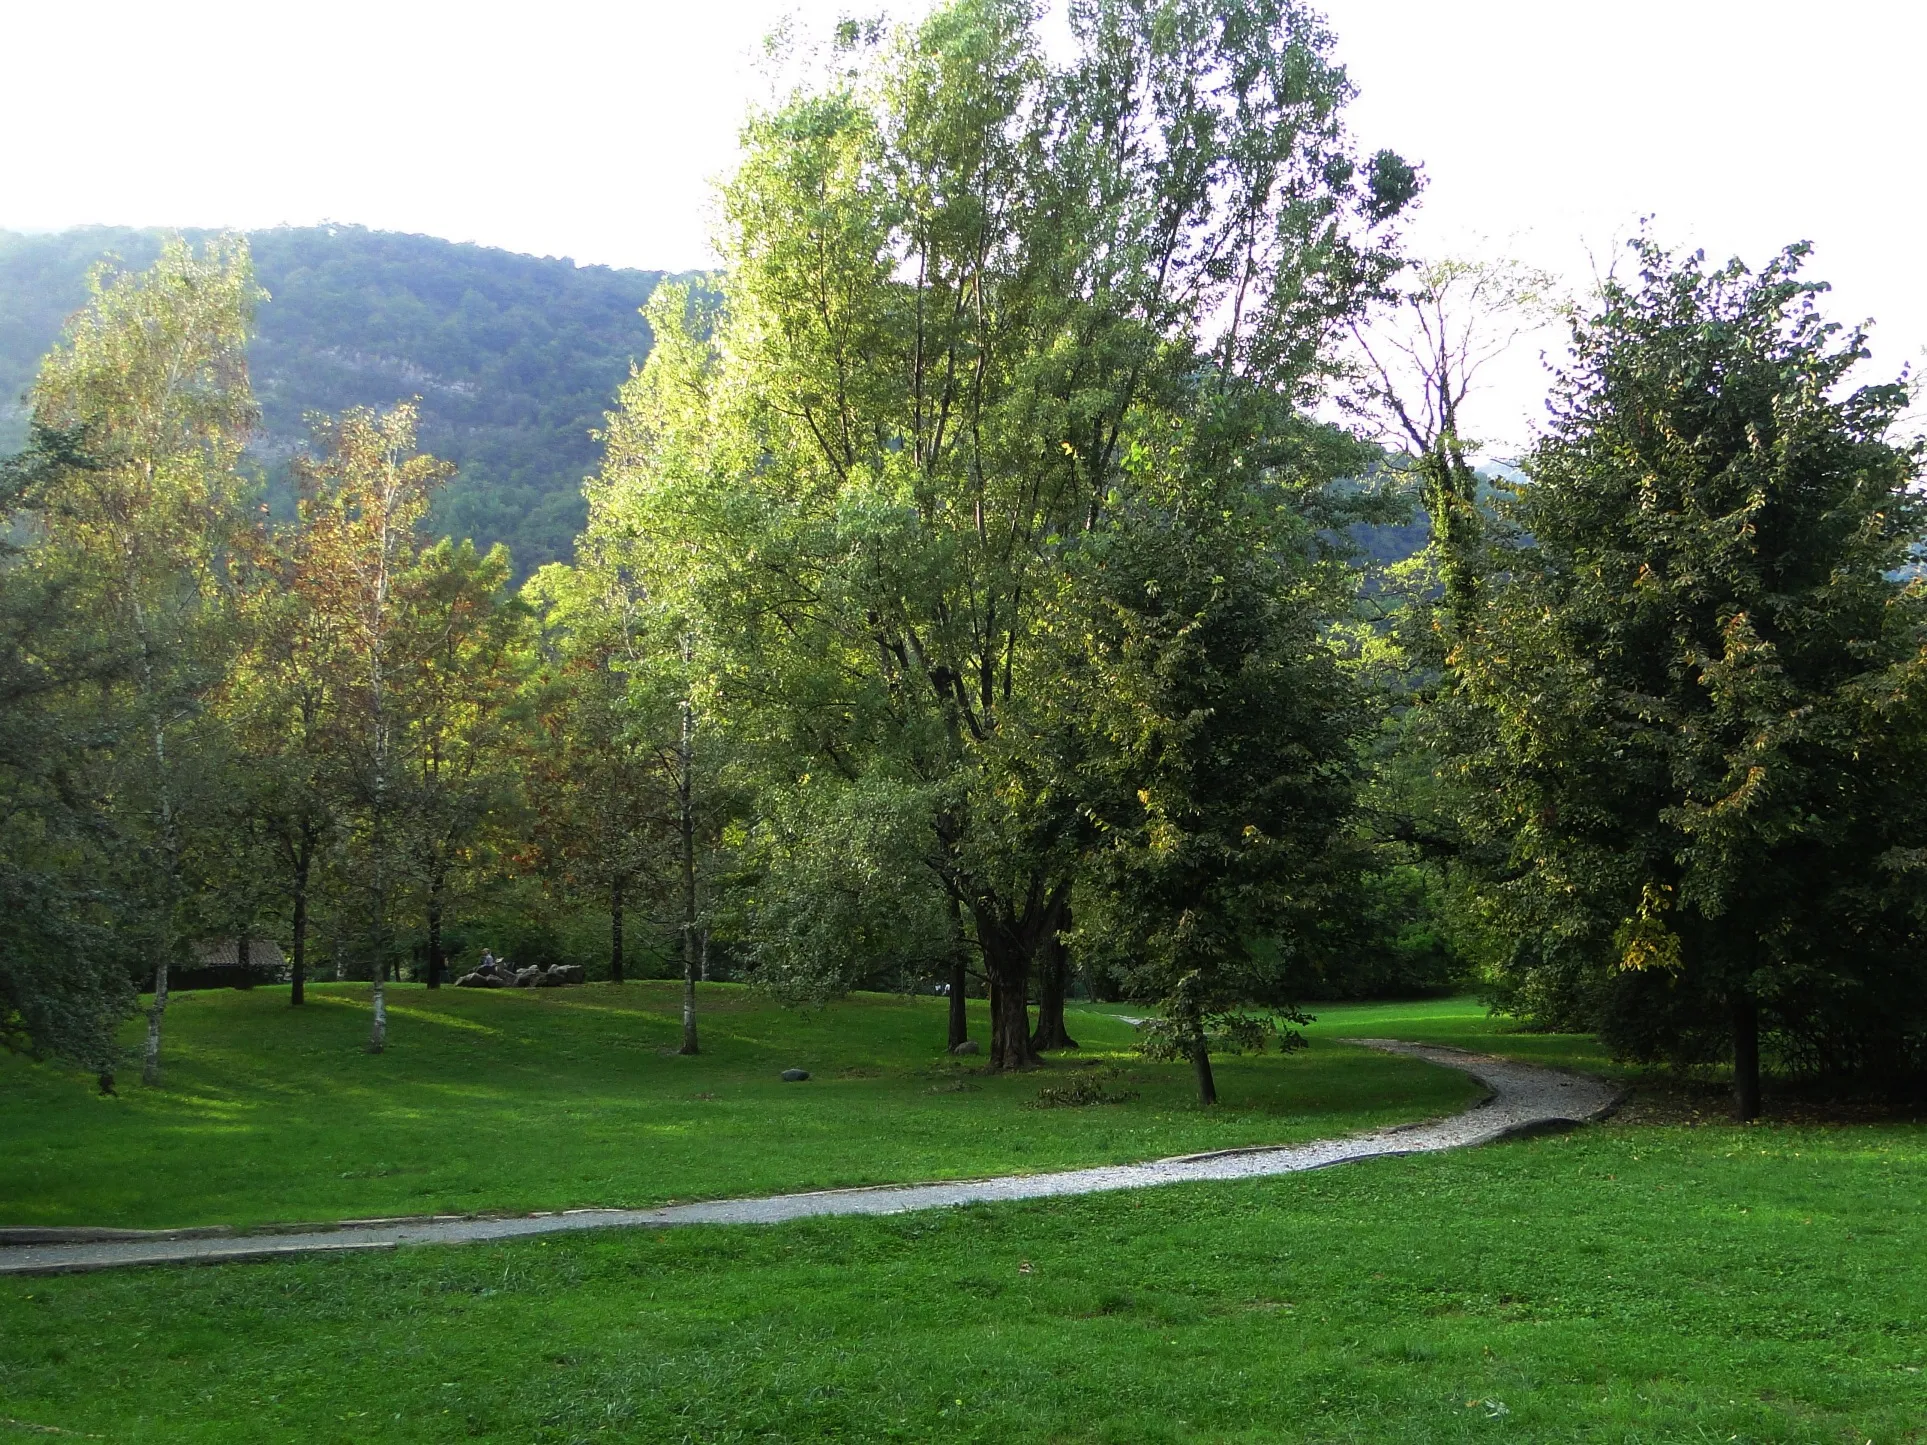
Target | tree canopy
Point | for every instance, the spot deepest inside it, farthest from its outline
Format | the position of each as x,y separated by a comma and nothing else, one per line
1691,717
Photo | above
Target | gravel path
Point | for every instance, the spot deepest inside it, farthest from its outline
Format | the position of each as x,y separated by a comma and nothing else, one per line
1525,1099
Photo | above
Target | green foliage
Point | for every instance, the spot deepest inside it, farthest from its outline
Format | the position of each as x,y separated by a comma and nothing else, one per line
1082,1090
459,689
1397,936
43,281
64,985
1691,724
978,305
1223,760
139,416
594,781
514,358
836,894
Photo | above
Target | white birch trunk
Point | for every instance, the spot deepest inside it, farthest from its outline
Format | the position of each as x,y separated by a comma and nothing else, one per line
170,840
378,1035
151,1057
378,695
686,808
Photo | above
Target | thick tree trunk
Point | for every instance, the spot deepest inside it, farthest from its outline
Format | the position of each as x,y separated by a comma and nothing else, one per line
615,931
1746,1056
1009,969
1053,979
435,932
1007,942
1010,1045
156,1011
959,1002
1201,1061
298,975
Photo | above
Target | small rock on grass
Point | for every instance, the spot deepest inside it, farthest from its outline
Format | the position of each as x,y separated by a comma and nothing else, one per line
968,1046
795,1076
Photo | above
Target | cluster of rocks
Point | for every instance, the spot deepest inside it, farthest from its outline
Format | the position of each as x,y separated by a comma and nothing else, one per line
503,976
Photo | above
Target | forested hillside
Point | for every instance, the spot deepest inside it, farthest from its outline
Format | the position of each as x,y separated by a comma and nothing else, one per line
515,358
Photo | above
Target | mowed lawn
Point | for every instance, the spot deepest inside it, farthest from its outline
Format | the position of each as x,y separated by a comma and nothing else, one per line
558,1098
1622,1284
1625,1283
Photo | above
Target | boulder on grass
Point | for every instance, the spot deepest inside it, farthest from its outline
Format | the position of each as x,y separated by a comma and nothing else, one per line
968,1046
528,978
795,1076
478,980
568,973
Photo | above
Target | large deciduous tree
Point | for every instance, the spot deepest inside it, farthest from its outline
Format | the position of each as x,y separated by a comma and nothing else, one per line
964,286
1694,713
285,699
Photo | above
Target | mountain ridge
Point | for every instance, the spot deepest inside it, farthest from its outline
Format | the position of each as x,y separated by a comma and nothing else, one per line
515,357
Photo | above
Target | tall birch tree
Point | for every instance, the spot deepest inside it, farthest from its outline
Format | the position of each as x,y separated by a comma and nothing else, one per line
150,382
364,495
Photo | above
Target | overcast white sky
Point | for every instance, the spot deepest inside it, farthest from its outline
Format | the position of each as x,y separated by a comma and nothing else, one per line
592,128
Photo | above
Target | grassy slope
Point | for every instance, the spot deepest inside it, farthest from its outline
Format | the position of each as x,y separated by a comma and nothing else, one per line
558,1098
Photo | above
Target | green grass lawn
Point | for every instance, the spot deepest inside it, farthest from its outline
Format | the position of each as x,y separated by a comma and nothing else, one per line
1618,1285
519,1100
1462,1023
1624,1284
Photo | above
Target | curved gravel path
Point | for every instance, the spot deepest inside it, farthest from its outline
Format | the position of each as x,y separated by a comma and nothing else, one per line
1525,1099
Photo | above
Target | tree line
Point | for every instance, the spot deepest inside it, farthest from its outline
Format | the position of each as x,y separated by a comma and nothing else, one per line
968,592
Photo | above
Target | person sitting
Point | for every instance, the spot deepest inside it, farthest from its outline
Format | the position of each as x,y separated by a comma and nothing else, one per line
487,965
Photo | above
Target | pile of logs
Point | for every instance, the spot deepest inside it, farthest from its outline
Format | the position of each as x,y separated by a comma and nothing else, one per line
504,977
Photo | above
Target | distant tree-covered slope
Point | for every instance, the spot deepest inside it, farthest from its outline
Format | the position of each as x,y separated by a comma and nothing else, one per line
515,358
